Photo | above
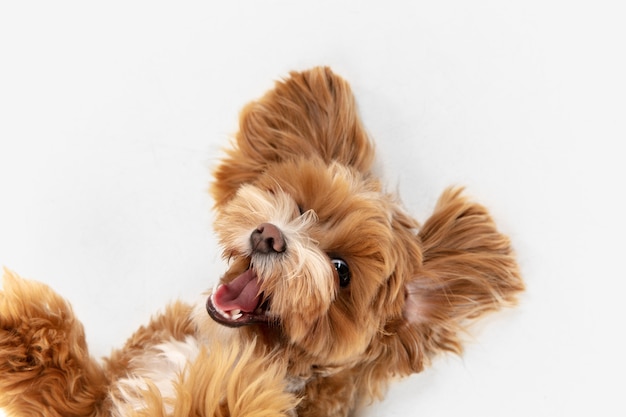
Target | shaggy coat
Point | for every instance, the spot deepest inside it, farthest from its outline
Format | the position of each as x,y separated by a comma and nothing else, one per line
331,291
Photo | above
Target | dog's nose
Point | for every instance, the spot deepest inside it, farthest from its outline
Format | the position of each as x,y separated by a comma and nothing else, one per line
267,238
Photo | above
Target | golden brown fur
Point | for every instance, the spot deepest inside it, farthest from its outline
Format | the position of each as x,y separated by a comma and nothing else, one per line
44,363
309,339
47,371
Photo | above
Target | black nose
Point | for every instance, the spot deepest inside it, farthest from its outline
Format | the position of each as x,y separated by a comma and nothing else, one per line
267,238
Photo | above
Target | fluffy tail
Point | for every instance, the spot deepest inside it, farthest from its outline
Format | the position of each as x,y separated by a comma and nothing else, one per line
45,368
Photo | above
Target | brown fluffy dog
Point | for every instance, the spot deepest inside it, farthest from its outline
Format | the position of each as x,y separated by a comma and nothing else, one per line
332,289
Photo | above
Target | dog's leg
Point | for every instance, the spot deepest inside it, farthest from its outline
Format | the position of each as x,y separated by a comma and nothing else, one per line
45,368
249,381
223,380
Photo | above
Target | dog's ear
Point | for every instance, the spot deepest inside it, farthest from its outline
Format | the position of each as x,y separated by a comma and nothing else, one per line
311,114
468,269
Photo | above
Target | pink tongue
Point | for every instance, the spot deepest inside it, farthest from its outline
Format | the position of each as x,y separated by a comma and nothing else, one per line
240,294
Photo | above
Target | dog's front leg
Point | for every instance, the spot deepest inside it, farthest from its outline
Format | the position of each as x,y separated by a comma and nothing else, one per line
45,368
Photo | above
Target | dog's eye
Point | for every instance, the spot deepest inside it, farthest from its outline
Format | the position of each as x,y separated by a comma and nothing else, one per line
343,272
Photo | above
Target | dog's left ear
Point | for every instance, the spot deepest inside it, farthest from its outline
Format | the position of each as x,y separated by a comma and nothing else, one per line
467,269
311,114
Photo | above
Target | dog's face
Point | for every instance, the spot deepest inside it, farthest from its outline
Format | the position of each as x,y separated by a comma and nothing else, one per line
313,249
327,266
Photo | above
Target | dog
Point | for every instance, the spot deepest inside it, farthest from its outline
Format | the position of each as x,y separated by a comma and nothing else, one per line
332,290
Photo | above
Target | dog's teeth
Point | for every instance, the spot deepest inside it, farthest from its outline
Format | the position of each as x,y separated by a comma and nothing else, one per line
230,315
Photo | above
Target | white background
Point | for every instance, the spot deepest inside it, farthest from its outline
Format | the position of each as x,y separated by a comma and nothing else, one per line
112,115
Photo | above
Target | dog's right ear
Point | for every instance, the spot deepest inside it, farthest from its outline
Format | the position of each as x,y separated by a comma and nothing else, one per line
467,269
311,114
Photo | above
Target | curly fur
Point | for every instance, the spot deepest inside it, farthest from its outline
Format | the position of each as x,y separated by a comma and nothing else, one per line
299,165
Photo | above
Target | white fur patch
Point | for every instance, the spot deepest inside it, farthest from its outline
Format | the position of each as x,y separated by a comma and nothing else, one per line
160,367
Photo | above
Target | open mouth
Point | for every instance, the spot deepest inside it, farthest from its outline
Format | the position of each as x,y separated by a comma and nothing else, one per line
239,302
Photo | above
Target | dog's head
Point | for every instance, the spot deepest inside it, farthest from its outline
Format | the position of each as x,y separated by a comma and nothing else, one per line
325,263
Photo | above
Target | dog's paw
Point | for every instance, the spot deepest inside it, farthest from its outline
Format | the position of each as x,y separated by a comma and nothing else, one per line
37,327
44,364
